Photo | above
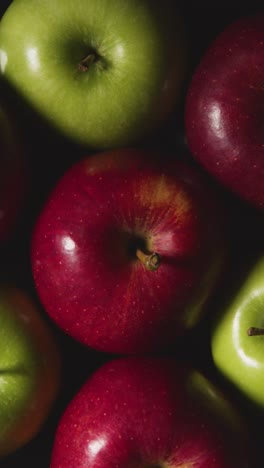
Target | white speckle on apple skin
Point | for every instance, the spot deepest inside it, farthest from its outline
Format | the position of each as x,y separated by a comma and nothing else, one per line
33,58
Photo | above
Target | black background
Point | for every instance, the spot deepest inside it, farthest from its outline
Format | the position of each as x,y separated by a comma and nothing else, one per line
49,156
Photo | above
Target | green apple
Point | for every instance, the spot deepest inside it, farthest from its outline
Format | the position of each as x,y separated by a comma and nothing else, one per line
238,337
29,370
103,72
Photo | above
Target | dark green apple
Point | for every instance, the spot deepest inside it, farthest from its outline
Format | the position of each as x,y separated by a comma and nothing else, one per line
29,370
103,72
237,337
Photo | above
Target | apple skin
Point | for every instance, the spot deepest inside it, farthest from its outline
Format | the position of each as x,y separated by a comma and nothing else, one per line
149,412
30,366
84,265
236,355
223,109
134,83
14,173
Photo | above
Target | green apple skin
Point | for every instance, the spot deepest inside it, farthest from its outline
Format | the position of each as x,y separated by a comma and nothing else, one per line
29,370
239,357
139,47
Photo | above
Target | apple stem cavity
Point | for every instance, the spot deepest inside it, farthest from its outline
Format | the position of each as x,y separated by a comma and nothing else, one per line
87,62
151,261
255,331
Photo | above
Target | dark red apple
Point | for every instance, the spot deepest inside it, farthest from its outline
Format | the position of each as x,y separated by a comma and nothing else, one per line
13,170
127,249
224,116
150,413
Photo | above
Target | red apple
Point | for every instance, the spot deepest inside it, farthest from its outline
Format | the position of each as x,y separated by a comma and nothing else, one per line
150,413
127,249
224,109
12,173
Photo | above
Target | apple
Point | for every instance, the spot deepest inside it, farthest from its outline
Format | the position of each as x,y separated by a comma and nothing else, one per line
127,249
237,336
223,109
13,173
102,72
149,412
29,369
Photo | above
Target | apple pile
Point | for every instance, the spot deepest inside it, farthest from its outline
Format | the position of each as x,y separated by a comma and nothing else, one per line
131,236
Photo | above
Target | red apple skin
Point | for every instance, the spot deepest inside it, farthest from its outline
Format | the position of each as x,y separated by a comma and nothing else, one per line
142,412
224,109
87,277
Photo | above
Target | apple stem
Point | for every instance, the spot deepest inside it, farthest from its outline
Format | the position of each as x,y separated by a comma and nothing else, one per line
151,261
85,64
254,331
